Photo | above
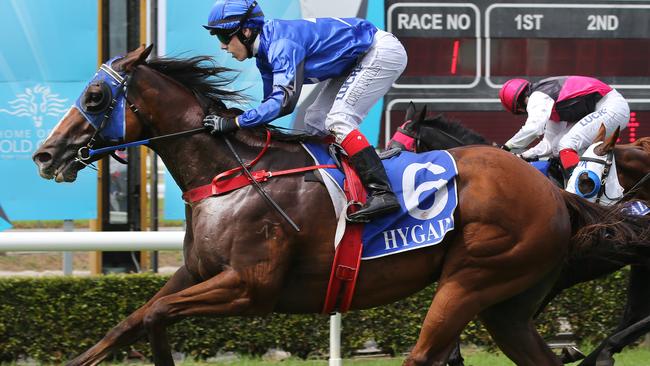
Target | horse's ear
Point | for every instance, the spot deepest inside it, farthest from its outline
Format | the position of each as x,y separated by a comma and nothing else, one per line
423,114
410,112
611,142
136,57
601,134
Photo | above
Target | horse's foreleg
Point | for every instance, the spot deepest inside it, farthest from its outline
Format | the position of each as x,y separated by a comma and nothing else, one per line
603,355
224,294
130,329
455,357
635,322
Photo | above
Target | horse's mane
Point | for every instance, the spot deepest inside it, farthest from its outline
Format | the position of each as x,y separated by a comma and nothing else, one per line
456,129
643,142
202,75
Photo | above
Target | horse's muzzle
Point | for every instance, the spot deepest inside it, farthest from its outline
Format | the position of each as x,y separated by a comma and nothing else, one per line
43,161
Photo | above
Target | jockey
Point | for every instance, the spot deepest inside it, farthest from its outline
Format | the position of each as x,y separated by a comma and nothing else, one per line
357,62
567,110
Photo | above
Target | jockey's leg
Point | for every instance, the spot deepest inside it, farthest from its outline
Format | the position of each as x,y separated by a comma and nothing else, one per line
366,84
366,162
316,113
612,111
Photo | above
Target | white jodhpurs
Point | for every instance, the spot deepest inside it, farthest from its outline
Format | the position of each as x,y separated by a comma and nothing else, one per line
345,101
612,111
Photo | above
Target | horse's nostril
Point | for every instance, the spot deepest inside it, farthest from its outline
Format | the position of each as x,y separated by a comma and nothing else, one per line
43,157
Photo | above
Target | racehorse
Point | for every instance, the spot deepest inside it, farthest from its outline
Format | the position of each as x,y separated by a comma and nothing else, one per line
241,259
632,163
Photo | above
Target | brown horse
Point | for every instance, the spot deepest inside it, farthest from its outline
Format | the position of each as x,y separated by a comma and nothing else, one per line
241,259
632,166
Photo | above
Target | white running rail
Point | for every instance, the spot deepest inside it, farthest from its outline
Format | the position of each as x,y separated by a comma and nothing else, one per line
115,241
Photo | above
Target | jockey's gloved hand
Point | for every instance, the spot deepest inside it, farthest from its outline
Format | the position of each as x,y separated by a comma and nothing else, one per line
504,147
529,158
218,125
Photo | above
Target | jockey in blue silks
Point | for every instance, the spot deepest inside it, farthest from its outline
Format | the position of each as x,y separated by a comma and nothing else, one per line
357,62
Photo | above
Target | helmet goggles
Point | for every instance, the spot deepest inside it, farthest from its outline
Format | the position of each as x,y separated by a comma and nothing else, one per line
224,35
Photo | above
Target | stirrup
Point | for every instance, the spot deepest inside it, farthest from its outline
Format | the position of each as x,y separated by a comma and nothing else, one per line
379,211
353,220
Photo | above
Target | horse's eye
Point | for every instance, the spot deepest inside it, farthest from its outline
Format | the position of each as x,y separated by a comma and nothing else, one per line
586,185
97,98
93,98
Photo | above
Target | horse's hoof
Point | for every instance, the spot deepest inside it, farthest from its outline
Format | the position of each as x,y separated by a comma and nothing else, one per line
605,360
571,354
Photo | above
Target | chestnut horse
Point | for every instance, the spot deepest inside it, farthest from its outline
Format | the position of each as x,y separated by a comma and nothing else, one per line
632,167
241,259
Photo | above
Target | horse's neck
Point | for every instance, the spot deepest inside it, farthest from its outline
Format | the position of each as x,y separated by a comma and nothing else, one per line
193,161
450,134
633,164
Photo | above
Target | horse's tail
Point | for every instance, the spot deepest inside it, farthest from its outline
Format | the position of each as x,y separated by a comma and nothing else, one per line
607,233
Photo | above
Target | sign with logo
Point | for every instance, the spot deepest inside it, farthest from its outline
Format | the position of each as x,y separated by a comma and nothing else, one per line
40,78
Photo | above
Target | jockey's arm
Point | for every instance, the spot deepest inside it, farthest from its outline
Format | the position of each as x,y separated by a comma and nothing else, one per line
547,147
287,61
539,110
267,83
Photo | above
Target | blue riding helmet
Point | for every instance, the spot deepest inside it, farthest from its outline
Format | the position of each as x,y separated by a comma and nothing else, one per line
231,14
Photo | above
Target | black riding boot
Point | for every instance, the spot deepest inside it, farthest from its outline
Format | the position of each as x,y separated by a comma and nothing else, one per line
381,199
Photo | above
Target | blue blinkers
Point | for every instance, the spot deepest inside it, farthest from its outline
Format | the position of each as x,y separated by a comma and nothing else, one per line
595,178
107,114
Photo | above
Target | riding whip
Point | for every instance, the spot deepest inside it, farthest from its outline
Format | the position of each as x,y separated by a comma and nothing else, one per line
258,186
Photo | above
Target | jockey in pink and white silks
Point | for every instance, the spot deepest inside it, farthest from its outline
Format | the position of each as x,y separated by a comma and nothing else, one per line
567,111
357,61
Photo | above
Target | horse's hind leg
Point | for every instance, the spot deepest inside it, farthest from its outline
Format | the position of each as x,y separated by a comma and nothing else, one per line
130,329
452,308
510,324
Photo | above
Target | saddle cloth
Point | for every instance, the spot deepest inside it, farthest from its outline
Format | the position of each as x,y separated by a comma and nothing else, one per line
637,208
426,189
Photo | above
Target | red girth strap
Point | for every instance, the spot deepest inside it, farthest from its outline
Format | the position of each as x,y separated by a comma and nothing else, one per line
224,182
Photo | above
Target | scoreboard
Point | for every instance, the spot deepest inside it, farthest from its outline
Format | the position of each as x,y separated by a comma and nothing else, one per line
460,53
